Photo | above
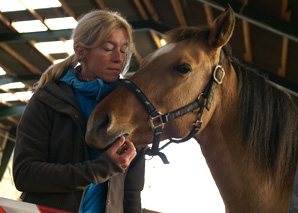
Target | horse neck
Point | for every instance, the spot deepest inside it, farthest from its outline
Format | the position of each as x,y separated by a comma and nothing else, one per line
236,176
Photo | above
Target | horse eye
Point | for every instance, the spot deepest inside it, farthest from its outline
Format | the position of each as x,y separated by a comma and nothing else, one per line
183,68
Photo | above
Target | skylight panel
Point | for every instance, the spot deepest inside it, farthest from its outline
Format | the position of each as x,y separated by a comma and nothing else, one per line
61,23
29,26
53,47
5,97
2,72
11,5
22,96
41,4
15,85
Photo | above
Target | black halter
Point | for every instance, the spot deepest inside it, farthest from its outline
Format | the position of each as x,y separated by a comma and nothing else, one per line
158,120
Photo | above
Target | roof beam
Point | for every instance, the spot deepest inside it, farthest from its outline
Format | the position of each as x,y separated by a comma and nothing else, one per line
209,14
100,4
67,9
247,44
21,59
251,15
144,15
179,13
285,15
151,10
18,37
141,9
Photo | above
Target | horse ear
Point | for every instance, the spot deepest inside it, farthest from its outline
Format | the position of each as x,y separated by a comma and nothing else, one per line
222,28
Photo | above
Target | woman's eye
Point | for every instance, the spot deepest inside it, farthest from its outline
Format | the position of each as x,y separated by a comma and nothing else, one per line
183,68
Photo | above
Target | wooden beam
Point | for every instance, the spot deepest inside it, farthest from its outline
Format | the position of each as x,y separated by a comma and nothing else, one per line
151,10
179,13
255,17
100,4
48,56
3,127
8,71
247,43
141,9
209,14
31,67
285,15
155,38
12,120
20,58
67,9
138,56
144,15
5,21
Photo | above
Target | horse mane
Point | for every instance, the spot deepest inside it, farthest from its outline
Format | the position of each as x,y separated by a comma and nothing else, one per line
269,122
268,116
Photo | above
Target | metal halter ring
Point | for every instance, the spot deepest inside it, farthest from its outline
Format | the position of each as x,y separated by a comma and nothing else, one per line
156,121
218,67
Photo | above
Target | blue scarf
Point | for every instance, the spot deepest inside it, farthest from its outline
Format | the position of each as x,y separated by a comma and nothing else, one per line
88,95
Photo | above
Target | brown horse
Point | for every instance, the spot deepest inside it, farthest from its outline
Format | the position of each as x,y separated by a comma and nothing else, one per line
247,133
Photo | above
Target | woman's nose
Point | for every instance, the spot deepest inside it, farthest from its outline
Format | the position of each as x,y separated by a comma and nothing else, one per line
118,56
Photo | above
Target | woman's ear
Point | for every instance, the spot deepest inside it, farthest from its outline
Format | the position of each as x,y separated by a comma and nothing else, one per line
80,51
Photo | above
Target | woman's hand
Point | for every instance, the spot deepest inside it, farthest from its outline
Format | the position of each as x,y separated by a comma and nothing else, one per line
123,152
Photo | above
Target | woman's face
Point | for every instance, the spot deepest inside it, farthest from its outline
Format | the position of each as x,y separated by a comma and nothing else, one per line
106,61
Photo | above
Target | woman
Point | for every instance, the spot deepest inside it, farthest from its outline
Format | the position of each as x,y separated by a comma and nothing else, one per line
52,165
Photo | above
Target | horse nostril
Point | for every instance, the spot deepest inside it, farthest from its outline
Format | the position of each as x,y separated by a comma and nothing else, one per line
104,121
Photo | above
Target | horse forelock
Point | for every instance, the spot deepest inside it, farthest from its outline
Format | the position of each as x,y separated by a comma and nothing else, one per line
187,33
269,123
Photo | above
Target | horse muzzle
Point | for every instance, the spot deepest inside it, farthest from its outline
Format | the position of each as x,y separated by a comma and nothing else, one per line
101,131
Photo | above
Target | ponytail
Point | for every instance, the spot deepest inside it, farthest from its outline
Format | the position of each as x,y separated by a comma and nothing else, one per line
55,72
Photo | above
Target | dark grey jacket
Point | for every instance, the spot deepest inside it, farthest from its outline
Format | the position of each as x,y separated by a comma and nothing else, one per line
51,163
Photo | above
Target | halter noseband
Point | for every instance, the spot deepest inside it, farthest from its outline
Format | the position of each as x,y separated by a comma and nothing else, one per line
158,120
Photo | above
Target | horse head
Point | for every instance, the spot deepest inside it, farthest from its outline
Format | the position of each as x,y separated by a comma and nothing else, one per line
171,77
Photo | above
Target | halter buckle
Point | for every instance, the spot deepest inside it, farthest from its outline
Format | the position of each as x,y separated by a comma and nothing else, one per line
216,76
156,121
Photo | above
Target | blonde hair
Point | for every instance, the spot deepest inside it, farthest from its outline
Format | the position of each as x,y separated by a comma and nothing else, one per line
92,30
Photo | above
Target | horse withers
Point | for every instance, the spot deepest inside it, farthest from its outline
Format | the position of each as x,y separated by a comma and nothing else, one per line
247,132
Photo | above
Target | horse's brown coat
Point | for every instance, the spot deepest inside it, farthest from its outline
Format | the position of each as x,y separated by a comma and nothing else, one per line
240,177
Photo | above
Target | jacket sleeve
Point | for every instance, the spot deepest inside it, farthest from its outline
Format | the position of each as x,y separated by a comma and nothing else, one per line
134,184
32,170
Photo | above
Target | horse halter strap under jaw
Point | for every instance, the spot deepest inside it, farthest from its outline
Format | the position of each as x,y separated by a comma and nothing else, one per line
158,119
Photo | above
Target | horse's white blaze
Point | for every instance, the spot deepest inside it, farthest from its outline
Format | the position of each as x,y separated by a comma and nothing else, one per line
161,51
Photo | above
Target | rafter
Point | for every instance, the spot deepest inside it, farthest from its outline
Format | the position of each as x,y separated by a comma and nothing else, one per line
247,43
141,9
4,127
285,15
12,120
155,38
144,15
253,16
151,10
67,9
179,13
209,14
100,4
20,58
31,67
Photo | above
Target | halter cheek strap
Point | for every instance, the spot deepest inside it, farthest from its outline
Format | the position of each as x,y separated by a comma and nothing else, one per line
158,120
